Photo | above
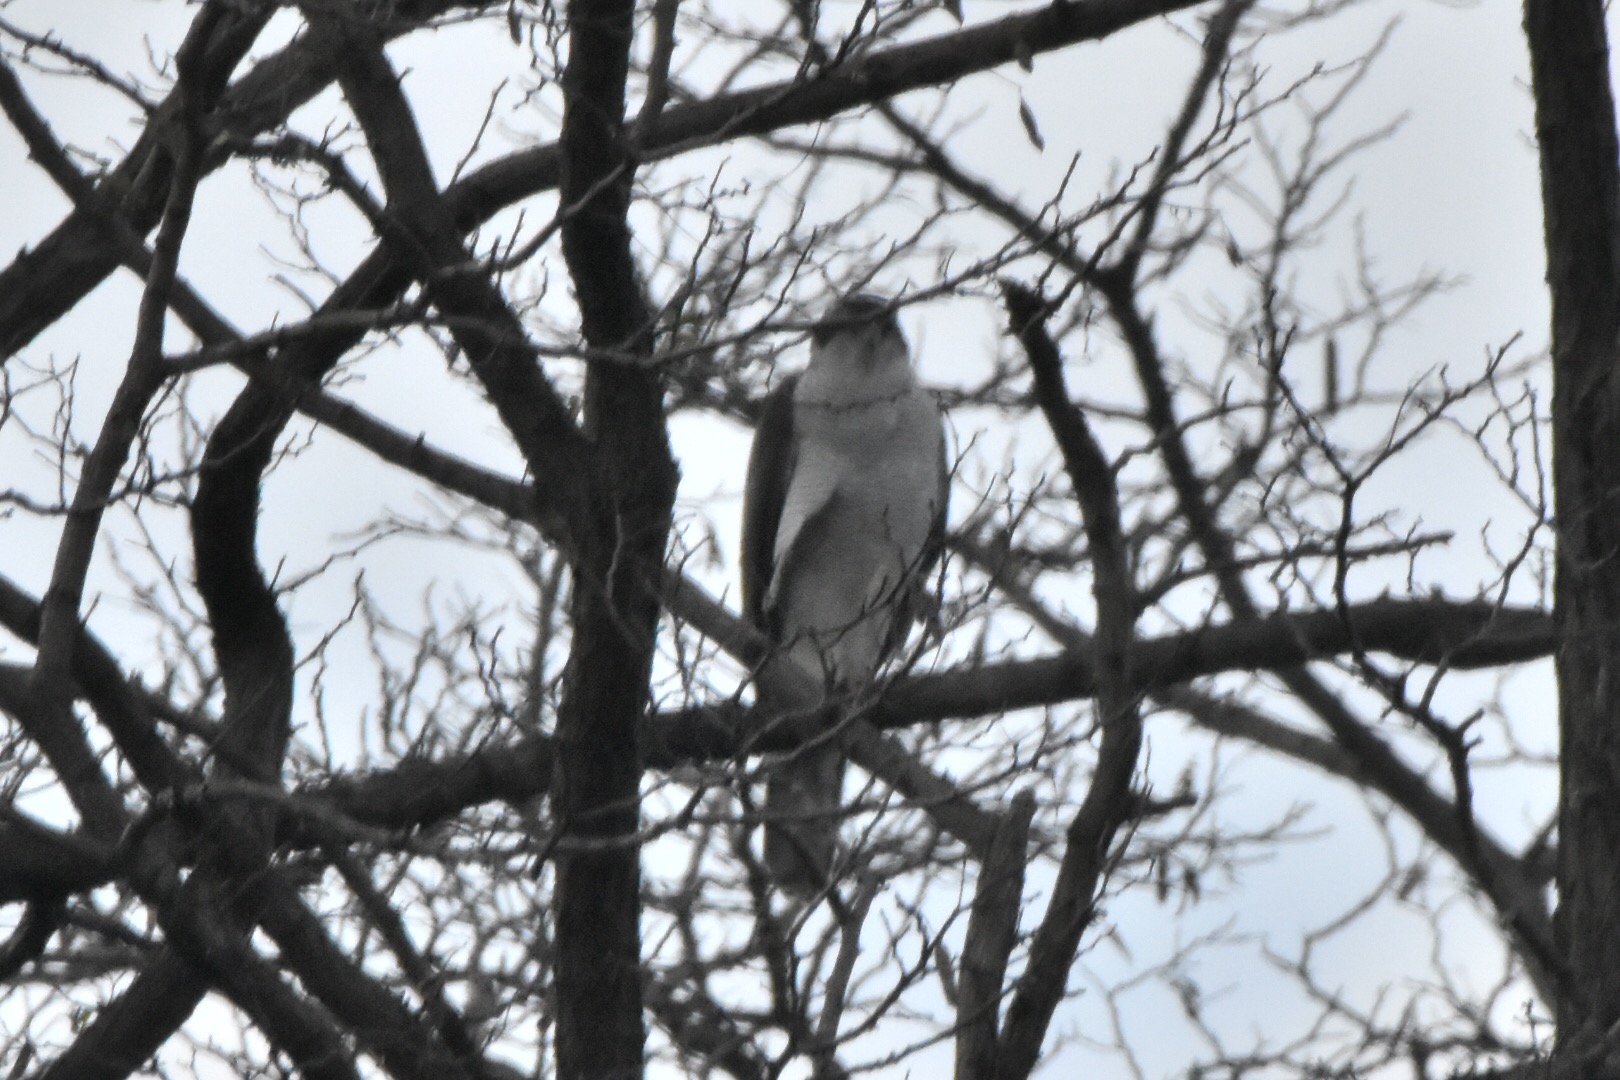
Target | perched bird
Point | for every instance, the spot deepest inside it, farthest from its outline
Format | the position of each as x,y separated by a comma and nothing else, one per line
843,517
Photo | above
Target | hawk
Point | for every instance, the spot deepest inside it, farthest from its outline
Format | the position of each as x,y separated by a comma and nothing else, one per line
843,517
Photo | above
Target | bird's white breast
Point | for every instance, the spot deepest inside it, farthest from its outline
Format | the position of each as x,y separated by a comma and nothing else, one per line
867,474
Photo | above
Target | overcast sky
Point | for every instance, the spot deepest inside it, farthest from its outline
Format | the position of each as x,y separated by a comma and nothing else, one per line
1453,190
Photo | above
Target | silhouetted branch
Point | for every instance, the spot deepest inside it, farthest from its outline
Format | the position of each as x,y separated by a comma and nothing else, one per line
1107,805
991,935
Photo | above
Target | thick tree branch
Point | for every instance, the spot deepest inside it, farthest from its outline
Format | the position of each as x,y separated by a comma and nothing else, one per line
418,793
43,284
1090,839
992,933
52,687
420,226
124,1034
201,926
40,286
615,608
1580,192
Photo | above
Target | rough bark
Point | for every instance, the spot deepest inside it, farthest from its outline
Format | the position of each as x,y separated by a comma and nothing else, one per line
1575,128
597,903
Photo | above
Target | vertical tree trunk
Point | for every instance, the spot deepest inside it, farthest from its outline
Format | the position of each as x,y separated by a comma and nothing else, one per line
600,1033
1575,127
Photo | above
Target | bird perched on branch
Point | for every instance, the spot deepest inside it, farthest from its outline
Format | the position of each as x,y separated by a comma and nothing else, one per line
843,517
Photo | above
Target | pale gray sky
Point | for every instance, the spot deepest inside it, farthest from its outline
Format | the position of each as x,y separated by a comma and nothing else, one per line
1453,190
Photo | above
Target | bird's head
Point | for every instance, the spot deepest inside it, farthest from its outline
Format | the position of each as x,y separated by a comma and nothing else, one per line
859,331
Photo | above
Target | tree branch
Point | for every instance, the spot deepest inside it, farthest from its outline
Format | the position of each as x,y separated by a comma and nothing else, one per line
1107,804
40,286
614,606
1580,191
992,933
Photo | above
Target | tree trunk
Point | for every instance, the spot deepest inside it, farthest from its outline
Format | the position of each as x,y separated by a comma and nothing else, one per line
1575,127
600,1032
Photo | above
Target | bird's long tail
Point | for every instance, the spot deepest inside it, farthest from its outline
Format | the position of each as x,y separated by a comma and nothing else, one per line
803,800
